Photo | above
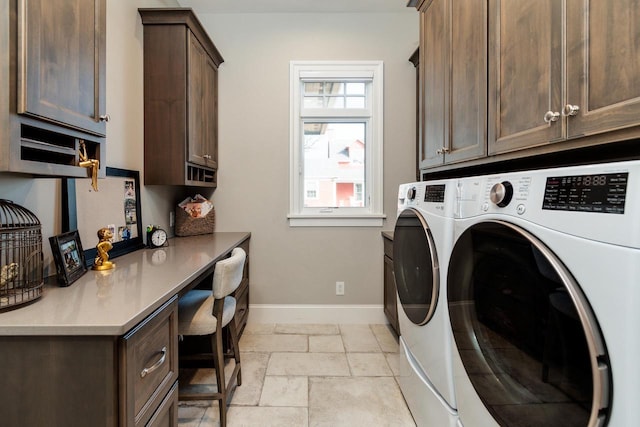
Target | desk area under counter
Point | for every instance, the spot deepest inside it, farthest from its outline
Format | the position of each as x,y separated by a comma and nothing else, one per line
76,356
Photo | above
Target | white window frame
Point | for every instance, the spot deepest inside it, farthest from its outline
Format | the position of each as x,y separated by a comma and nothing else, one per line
372,212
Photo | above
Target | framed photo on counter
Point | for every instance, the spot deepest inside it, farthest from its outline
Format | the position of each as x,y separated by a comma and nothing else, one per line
68,256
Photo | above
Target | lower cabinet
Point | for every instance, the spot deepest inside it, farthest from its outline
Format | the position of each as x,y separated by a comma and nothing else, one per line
390,299
70,381
149,368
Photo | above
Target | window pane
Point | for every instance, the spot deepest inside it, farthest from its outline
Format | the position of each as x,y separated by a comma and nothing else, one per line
334,155
335,102
355,88
333,88
355,102
313,102
314,88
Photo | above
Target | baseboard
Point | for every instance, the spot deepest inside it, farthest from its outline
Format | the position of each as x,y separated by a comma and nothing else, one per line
311,313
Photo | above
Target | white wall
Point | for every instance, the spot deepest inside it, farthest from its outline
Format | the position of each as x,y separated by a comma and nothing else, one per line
289,265
124,132
301,265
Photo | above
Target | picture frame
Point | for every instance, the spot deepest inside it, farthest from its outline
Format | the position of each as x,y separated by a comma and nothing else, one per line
116,205
68,256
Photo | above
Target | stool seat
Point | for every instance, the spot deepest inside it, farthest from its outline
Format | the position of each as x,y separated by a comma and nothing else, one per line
195,313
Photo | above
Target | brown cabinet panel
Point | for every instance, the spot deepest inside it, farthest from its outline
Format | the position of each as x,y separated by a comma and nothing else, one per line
452,88
603,65
434,81
574,61
525,73
61,64
468,84
150,364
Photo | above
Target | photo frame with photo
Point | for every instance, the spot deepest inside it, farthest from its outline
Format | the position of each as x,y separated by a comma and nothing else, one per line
68,256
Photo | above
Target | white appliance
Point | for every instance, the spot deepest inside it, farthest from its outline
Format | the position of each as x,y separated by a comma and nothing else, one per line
544,297
421,246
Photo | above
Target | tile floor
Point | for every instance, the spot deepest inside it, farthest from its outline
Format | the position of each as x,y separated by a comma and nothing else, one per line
309,375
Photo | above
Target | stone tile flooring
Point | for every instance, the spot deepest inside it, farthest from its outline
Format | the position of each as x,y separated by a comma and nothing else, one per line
309,375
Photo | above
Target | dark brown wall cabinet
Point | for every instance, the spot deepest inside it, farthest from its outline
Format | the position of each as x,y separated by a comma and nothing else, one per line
180,99
557,75
545,90
52,68
452,82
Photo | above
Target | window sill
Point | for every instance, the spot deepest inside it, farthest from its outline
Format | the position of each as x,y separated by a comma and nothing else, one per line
374,220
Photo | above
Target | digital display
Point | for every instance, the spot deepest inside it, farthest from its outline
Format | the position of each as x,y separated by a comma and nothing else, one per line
434,193
603,193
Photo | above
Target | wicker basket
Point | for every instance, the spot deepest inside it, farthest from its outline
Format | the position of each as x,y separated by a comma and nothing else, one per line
186,225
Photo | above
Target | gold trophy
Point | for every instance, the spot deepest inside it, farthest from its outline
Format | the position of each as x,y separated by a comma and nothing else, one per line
101,262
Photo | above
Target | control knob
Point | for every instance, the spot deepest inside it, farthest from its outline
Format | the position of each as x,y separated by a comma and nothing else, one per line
501,193
411,193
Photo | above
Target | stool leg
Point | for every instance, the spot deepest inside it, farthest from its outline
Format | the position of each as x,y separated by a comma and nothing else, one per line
236,349
218,362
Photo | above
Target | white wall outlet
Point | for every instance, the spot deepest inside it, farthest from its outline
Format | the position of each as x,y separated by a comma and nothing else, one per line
172,218
339,288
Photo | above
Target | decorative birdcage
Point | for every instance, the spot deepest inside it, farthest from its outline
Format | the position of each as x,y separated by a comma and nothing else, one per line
21,273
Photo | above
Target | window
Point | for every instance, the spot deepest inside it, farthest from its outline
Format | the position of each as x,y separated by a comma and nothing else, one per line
336,143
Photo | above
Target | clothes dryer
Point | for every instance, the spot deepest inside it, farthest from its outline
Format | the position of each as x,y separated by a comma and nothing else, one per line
543,297
421,246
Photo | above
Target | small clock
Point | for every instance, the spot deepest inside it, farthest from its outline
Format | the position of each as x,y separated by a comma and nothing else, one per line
156,237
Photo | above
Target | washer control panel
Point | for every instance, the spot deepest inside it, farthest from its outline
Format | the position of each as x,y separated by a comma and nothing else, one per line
603,193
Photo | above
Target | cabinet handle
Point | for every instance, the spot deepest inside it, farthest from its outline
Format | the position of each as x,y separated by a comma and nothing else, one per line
156,365
442,150
551,116
105,118
570,110
207,156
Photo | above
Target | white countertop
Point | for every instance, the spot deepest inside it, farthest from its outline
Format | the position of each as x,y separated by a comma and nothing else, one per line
114,301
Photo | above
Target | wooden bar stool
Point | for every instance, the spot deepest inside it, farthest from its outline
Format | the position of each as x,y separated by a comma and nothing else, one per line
202,313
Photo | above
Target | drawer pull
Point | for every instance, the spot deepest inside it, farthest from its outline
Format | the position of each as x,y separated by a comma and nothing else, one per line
156,365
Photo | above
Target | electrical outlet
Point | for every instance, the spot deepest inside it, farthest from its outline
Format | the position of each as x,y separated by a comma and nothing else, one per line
339,288
172,218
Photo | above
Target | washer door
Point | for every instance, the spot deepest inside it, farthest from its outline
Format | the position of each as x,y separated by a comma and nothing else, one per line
415,266
525,332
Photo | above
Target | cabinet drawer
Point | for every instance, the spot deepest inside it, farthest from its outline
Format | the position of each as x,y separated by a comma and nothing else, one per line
149,363
167,413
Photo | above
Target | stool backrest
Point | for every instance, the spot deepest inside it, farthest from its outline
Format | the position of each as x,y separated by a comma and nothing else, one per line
228,273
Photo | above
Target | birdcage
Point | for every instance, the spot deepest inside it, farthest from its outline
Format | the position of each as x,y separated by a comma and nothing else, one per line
21,274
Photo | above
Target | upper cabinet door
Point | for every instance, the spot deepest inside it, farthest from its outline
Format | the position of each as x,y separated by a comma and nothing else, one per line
434,83
203,94
525,74
61,62
453,76
468,80
603,66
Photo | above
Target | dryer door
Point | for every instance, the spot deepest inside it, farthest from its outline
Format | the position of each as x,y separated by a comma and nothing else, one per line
525,333
415,266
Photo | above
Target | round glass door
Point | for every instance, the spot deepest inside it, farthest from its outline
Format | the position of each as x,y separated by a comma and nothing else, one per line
415,266
525,332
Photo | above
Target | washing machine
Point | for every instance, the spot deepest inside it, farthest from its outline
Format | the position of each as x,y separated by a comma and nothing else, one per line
421,245
544,297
